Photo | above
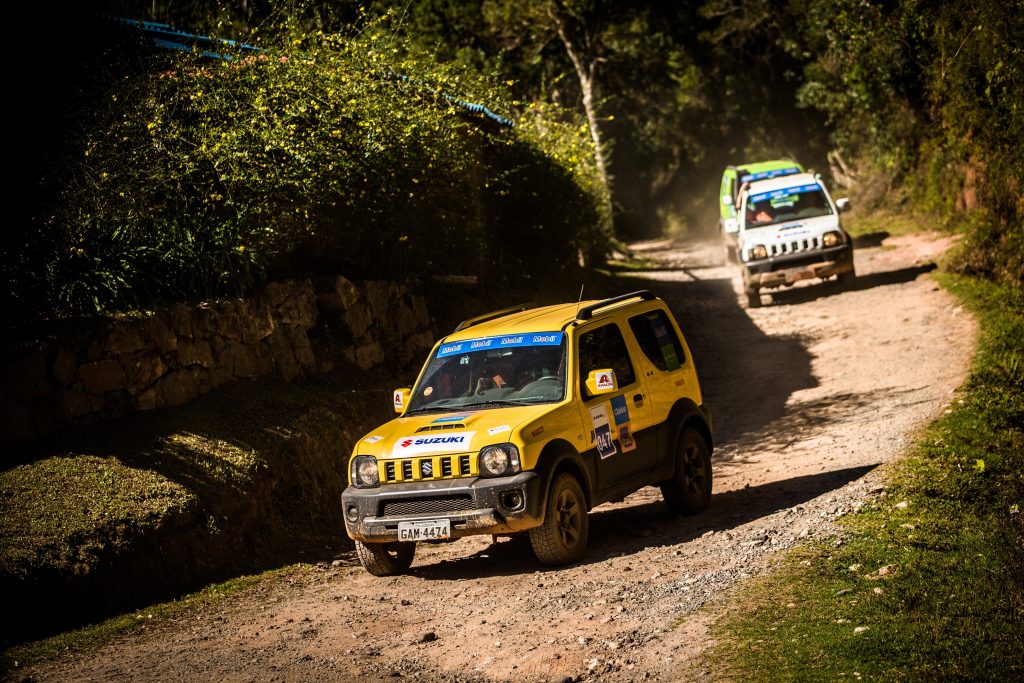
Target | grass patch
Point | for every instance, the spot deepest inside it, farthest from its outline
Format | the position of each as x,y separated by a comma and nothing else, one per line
100,521
891,223
97,634
927,582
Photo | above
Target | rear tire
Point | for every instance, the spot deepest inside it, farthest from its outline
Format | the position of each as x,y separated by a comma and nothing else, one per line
689,489
385,559
730,255
562,538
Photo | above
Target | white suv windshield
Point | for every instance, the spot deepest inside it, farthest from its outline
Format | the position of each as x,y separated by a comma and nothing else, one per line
493,371
788,204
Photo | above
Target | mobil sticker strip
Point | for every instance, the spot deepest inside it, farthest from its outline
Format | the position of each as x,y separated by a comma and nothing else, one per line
775,194
763,175
504,342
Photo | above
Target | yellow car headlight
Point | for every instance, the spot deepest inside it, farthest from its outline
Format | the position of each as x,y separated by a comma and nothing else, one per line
364,471
496,461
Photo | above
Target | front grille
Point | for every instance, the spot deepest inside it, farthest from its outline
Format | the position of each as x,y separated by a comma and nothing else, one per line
429,468
427,506
793,247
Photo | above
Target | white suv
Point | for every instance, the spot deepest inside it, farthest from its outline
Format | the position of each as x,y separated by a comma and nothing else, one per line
790,231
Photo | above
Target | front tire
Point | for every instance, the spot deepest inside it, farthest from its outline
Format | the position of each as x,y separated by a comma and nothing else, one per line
689,489
562,537
847,280
385,559
753,298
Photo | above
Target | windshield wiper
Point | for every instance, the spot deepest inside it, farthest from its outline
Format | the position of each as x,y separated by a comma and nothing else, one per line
498,402
435,409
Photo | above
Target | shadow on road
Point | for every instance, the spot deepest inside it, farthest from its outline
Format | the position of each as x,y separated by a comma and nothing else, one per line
746,375
628,530
872,239
802,295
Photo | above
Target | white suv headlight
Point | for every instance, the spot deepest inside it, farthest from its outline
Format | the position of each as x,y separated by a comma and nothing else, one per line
757,252
500,460
832,238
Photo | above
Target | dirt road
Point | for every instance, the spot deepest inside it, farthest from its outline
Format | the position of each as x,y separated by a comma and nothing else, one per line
809,394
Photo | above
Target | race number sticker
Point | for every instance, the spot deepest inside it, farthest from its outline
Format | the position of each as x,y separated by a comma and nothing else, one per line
602,431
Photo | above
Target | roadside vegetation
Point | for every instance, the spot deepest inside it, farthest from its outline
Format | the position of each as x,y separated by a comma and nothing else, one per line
174,177
77,640
927,581
186,177
237,481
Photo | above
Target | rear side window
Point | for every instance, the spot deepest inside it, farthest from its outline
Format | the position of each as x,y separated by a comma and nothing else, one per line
658,339
605,348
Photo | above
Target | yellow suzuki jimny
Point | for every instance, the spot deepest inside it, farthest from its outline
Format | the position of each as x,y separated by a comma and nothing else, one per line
524,419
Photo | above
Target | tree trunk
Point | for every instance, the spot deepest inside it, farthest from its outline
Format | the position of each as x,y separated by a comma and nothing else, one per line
585,74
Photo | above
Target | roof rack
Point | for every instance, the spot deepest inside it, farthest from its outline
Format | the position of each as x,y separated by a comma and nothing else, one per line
587,312
469,322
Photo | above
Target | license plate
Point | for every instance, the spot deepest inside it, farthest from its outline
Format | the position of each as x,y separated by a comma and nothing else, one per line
425,530
803,274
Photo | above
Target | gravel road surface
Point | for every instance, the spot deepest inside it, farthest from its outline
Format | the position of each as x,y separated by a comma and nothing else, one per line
810,394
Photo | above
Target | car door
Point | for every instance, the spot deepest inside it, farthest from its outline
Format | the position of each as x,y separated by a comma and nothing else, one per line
664,366
621,435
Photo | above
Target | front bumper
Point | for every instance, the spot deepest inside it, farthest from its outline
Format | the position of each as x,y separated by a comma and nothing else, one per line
473,505
789,268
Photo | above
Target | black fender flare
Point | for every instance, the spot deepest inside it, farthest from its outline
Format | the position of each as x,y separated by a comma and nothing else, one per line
560,456
686,413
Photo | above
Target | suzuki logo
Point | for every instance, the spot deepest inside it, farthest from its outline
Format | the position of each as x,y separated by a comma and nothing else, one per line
427,468
406,443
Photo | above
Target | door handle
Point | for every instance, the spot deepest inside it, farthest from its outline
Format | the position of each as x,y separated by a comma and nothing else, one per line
638,399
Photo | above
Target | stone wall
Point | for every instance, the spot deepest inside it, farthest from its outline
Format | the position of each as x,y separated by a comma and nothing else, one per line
104,368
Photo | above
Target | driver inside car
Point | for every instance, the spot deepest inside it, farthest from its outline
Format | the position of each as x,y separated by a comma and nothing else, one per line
495,374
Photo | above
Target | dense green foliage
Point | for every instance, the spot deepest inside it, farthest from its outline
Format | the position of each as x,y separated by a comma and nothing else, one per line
949,532
326,152
928,97
333,149
914,104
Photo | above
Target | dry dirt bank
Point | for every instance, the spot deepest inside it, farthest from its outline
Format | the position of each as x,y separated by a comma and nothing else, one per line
810,394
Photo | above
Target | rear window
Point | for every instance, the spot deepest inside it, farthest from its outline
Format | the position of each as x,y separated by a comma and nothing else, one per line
658,339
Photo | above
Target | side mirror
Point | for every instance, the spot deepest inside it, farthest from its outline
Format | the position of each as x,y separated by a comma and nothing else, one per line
843,204
601,382
731,225
727,200
401,398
